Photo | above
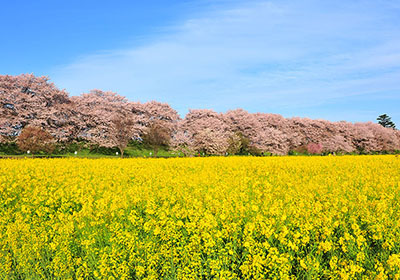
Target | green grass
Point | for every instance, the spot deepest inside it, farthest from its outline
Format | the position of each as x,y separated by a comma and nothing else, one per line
131,151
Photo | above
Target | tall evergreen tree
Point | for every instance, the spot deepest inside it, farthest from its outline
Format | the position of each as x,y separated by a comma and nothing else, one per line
386,121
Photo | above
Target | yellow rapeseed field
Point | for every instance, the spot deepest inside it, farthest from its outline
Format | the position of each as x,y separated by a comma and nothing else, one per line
201,218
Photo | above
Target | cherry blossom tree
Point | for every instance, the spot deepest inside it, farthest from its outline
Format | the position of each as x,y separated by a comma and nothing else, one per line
181,140
97,109
29,100
246,127
336,144
265,132
121,132
205,131
314,148
271,135
160,111
385,138
35,139
157,135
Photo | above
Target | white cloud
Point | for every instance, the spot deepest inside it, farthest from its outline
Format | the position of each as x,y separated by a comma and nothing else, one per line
257,56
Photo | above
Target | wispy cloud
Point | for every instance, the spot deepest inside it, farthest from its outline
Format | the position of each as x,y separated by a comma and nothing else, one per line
261,56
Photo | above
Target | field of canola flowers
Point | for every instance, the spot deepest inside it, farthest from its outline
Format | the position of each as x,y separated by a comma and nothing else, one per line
201,218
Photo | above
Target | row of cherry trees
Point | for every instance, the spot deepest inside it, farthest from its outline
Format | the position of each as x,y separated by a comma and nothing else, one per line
212,132
110,120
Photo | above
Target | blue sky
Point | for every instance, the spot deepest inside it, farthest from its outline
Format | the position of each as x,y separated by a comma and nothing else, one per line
336,60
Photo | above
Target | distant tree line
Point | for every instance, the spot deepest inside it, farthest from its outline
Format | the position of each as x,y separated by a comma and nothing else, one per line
107,119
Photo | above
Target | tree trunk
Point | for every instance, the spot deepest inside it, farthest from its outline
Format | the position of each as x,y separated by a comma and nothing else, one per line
122,152
155,151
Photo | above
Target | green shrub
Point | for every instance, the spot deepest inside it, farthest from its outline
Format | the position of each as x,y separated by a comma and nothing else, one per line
9,148
96,149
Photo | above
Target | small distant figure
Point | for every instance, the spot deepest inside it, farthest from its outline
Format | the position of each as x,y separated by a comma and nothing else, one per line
76,152
116,153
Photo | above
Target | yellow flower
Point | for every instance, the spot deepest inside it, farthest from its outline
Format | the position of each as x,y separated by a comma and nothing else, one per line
325,246
303,264
190,218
